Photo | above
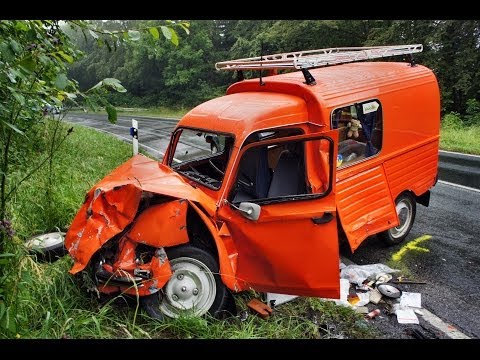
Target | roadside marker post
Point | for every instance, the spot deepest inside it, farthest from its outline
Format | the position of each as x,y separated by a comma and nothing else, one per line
134,134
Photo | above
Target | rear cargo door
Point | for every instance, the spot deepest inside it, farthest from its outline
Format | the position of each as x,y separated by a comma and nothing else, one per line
365,205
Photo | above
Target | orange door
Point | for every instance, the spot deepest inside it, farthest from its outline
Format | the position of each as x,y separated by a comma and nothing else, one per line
292,248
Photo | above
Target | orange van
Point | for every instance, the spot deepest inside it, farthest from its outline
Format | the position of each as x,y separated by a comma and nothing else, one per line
255,185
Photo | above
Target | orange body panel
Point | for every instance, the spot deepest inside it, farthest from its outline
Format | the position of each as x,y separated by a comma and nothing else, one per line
365,205
162,225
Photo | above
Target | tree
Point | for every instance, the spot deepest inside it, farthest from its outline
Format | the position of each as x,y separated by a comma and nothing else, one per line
34,56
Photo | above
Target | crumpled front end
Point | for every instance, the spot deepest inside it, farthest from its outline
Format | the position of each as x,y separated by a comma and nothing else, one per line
126,220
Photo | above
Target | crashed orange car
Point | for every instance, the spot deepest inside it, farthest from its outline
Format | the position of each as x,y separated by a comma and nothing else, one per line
255,186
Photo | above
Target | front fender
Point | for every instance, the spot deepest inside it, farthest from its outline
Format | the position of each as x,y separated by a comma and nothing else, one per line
226,260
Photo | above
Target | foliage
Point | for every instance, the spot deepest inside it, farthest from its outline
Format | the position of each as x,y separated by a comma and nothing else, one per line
155,76
455,136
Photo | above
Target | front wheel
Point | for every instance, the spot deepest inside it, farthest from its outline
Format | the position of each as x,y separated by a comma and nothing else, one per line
405,205
194,288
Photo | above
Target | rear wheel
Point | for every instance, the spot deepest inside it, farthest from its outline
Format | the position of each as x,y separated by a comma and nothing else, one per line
194,288
405,205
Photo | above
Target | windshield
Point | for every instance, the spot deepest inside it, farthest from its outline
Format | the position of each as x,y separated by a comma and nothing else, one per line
202,156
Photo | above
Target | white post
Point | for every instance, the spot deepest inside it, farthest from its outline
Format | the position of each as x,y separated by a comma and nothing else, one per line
134,133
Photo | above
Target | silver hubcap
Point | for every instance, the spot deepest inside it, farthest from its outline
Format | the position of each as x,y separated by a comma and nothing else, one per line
404,212
191,289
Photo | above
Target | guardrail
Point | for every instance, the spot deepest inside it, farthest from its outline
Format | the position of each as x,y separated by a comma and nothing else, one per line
459,168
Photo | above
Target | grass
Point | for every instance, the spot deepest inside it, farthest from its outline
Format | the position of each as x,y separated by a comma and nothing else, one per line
464,140
45,301
162,112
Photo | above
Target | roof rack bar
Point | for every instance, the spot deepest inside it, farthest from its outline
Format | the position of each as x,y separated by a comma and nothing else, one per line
317,58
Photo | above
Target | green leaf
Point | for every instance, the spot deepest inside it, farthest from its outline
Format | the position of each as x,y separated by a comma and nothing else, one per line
115,84
61,81
185,27
6,255
112,113
71,96
154,32
20,25
19,97
93,34
28,64
166,32
16,47
91,105
134,35
12,76
66,57
174,38
13,127
6,52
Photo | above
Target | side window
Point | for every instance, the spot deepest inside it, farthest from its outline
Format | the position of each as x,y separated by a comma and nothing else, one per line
276,172
360,131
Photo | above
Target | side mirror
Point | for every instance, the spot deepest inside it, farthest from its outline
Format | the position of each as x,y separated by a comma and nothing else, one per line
249,210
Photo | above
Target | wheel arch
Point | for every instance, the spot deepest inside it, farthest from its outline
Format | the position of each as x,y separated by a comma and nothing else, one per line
198,219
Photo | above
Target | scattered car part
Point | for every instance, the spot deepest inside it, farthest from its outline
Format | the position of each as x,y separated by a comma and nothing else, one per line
373,314
383,278
263,310
375,296
48,247
389,291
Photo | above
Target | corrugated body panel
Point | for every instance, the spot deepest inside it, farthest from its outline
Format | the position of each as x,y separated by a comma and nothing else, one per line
365,205
415,170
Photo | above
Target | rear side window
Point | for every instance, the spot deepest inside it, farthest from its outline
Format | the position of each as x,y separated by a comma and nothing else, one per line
360,128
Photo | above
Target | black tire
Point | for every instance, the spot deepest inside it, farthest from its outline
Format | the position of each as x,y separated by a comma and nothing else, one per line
191,268
406,207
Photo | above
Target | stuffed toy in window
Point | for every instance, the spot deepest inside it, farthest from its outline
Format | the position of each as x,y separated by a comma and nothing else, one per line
353,126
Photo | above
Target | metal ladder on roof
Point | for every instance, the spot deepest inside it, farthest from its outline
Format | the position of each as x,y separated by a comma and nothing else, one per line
304,60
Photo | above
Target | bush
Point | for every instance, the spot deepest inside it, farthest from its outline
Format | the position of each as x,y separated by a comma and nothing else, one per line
472,113
452,121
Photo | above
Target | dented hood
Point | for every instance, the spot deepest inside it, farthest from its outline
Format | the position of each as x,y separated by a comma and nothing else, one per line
113,203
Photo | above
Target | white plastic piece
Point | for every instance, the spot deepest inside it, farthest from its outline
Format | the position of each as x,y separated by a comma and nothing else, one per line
279,298
410,299
357,274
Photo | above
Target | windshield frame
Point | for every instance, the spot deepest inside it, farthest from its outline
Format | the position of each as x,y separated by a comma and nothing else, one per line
174,140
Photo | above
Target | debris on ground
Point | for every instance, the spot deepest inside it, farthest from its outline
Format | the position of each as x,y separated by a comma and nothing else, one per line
389,291
262,309
357,274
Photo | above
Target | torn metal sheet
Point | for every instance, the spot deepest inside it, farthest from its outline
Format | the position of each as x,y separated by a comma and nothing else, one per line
113,203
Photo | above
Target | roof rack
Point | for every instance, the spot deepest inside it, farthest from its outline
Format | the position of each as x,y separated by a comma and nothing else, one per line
304,60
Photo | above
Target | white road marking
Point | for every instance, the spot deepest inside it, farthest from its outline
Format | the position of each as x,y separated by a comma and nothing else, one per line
459,186
449,330
457,153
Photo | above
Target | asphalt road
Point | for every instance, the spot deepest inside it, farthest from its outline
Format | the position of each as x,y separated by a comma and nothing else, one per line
451,267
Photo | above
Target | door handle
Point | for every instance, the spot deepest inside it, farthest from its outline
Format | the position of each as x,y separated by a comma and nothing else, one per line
325,218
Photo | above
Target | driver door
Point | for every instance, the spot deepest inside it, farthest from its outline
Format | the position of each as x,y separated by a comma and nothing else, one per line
292,248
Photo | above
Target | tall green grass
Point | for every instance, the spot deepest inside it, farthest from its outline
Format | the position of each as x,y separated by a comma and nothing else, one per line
44,301
456,136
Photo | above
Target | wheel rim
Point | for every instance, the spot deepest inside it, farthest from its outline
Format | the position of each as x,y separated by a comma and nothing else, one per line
404,212
46,241
190,290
